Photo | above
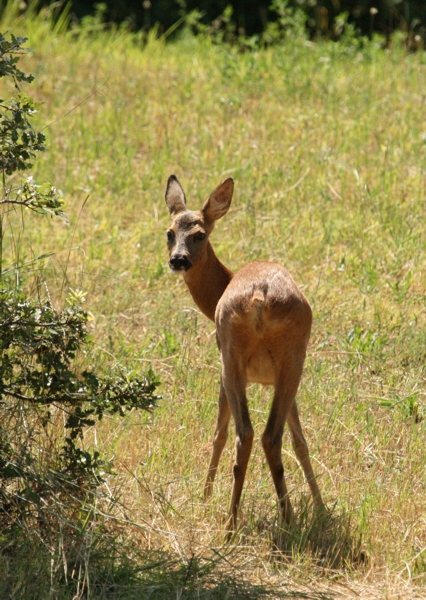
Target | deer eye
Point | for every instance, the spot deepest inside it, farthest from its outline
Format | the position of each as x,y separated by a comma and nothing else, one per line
200,236
170,236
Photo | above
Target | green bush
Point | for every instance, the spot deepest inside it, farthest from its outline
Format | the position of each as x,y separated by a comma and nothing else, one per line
49,483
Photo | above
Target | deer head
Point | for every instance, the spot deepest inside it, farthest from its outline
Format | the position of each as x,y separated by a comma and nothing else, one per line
188,235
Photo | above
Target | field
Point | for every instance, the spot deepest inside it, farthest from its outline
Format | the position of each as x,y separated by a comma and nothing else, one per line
327,146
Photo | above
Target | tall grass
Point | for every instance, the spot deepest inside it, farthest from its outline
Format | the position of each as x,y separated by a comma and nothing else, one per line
327,144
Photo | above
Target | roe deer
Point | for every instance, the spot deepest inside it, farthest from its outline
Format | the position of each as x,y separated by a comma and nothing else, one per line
263,322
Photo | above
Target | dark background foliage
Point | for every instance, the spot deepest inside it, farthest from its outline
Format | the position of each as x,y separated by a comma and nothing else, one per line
250,17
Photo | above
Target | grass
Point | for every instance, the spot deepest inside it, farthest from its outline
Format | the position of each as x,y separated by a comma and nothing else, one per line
327,145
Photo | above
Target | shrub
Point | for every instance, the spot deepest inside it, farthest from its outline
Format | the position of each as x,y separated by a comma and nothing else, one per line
49,484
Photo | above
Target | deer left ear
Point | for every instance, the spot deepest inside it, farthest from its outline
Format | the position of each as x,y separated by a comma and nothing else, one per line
219,201
175,196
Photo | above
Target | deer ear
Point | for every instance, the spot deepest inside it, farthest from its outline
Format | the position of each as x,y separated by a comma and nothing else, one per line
219,201
175,196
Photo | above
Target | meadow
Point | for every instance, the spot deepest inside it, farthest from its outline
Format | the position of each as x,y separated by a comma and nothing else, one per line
327,146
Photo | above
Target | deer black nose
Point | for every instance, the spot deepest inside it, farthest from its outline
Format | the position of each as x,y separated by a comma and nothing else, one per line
179,262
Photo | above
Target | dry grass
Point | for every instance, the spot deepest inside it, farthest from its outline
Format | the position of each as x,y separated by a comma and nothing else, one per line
327,147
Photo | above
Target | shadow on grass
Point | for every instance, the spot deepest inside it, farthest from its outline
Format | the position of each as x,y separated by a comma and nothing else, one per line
200,579
135,576
105,563
329,538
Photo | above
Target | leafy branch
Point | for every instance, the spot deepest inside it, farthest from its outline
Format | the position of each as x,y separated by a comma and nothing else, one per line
41,347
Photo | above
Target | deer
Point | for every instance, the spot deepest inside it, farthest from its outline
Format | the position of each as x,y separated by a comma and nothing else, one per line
263,323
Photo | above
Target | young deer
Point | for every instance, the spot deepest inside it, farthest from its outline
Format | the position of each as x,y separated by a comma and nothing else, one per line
263,323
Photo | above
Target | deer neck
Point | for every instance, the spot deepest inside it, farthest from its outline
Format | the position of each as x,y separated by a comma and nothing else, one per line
207,282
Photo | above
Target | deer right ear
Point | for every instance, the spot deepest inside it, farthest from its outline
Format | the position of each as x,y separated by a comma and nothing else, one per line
175,196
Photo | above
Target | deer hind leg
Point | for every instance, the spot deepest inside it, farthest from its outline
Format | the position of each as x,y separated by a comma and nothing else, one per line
220,437
234,382
301,449
272,444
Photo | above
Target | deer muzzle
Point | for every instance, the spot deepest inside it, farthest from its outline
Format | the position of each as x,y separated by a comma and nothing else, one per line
179,262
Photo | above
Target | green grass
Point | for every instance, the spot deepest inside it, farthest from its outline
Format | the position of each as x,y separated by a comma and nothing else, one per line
327,145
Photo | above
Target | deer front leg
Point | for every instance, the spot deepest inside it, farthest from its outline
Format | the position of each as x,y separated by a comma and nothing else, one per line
220,437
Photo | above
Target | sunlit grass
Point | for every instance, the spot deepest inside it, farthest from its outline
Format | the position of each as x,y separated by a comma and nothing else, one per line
327,145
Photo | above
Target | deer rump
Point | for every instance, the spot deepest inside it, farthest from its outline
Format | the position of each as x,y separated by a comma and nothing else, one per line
260,324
